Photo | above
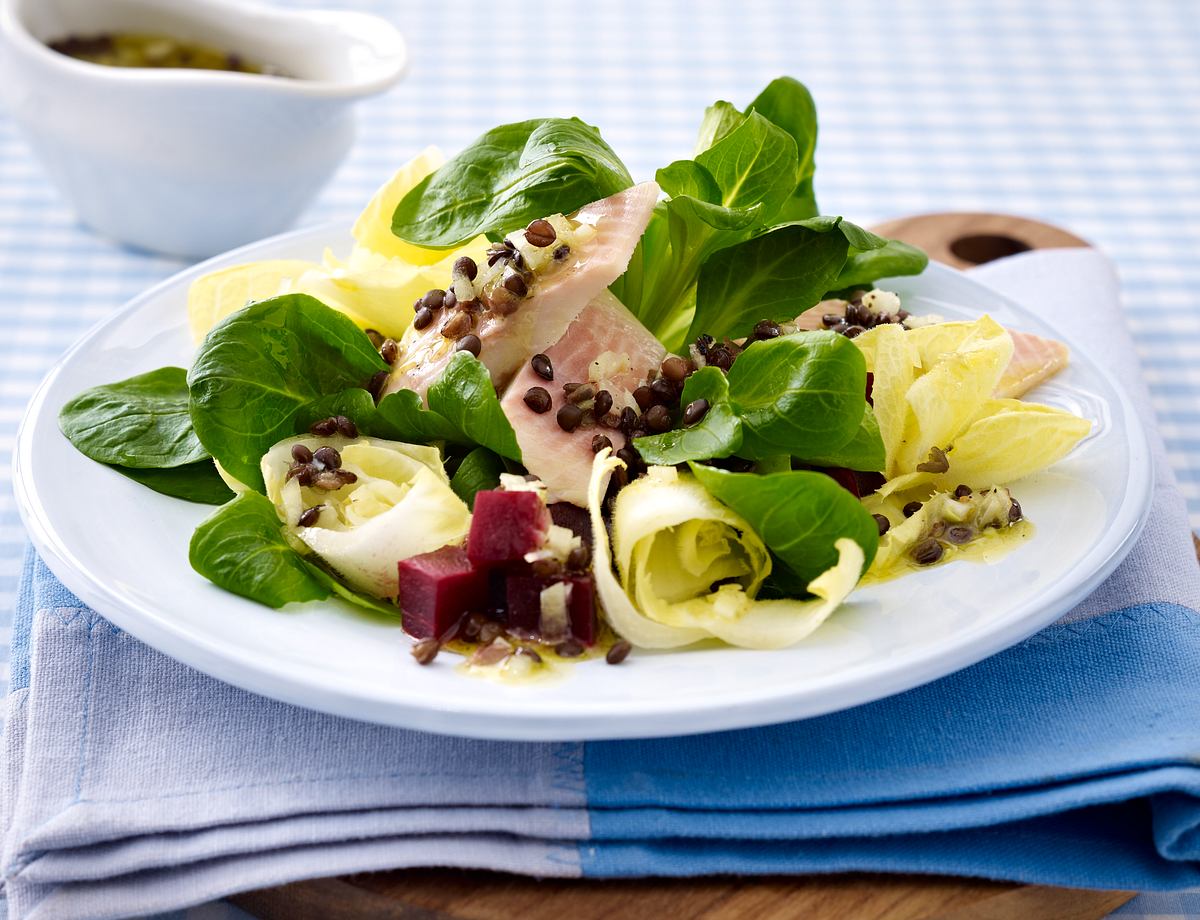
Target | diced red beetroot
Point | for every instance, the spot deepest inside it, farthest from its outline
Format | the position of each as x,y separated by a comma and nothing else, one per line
437,588
844,478
505,526
525,604
870,389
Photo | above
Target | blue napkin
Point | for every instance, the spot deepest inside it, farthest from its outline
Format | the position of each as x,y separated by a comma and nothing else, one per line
131,784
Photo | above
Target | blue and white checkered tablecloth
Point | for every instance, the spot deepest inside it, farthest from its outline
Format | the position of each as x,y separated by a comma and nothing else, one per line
1084,113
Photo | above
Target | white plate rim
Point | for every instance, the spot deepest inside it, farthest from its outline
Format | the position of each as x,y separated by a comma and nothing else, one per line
654,718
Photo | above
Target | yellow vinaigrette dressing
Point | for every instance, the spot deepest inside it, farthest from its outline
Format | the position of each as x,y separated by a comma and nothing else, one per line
989,547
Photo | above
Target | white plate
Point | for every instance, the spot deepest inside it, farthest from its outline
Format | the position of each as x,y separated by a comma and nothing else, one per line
123,550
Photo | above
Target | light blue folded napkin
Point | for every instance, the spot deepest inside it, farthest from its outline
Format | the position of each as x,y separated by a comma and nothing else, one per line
132,784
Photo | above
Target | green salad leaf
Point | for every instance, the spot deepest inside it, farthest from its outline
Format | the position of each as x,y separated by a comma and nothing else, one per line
195,482
510,176
802,395
479,471
465,397
142,422
865,451
797,514
261,367
866,266
241,547
749,183
717,434
799,396
776,276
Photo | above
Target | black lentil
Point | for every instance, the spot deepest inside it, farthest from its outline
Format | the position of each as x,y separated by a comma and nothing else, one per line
629,419
665,392
328,457
631,458
962,491
959,534
538,399
471,343
471,625
581,393
829,320
376,384
937,462
569,648
426,650
658,418
465,267
389,350
310,515
433,300
569,417
644,397
545,568
569,388
853,332
375,337
325,427
540,233
766,329
675,369
301,454
579,558
457,326
423,318
345,427
695,411
515,283
882,523
562,252
619,652
602,403
526,652
601,441
503,302
542,367
911,508
927,552
451,300
1014,512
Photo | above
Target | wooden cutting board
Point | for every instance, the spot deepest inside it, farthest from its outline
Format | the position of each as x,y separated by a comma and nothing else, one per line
961,240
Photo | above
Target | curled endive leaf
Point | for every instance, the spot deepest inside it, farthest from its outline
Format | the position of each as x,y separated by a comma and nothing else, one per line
688,568
365,527
933,390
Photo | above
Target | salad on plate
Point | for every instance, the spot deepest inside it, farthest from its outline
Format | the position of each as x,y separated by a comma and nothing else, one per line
541,412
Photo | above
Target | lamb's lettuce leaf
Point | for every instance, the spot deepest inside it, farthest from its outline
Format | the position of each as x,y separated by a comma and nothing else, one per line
141,423
508,177
196,482
797,396
800,515
479,471
241,548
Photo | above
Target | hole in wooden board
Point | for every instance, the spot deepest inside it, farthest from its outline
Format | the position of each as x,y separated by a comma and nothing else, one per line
986,247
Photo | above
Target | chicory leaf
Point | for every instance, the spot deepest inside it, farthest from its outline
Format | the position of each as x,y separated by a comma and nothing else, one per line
510,176
798,394
194,482
142,422
465,397
717,434
799,515
261,367
776,276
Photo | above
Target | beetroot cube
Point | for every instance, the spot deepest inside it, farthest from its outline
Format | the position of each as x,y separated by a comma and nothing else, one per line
505,526
525,604
437,588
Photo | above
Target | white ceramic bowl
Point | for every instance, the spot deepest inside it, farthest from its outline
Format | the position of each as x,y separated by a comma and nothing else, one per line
192,162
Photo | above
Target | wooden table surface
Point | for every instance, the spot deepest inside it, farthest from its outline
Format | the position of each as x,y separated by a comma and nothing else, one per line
961,240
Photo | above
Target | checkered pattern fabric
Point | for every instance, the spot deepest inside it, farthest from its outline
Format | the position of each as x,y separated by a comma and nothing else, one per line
1084,113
